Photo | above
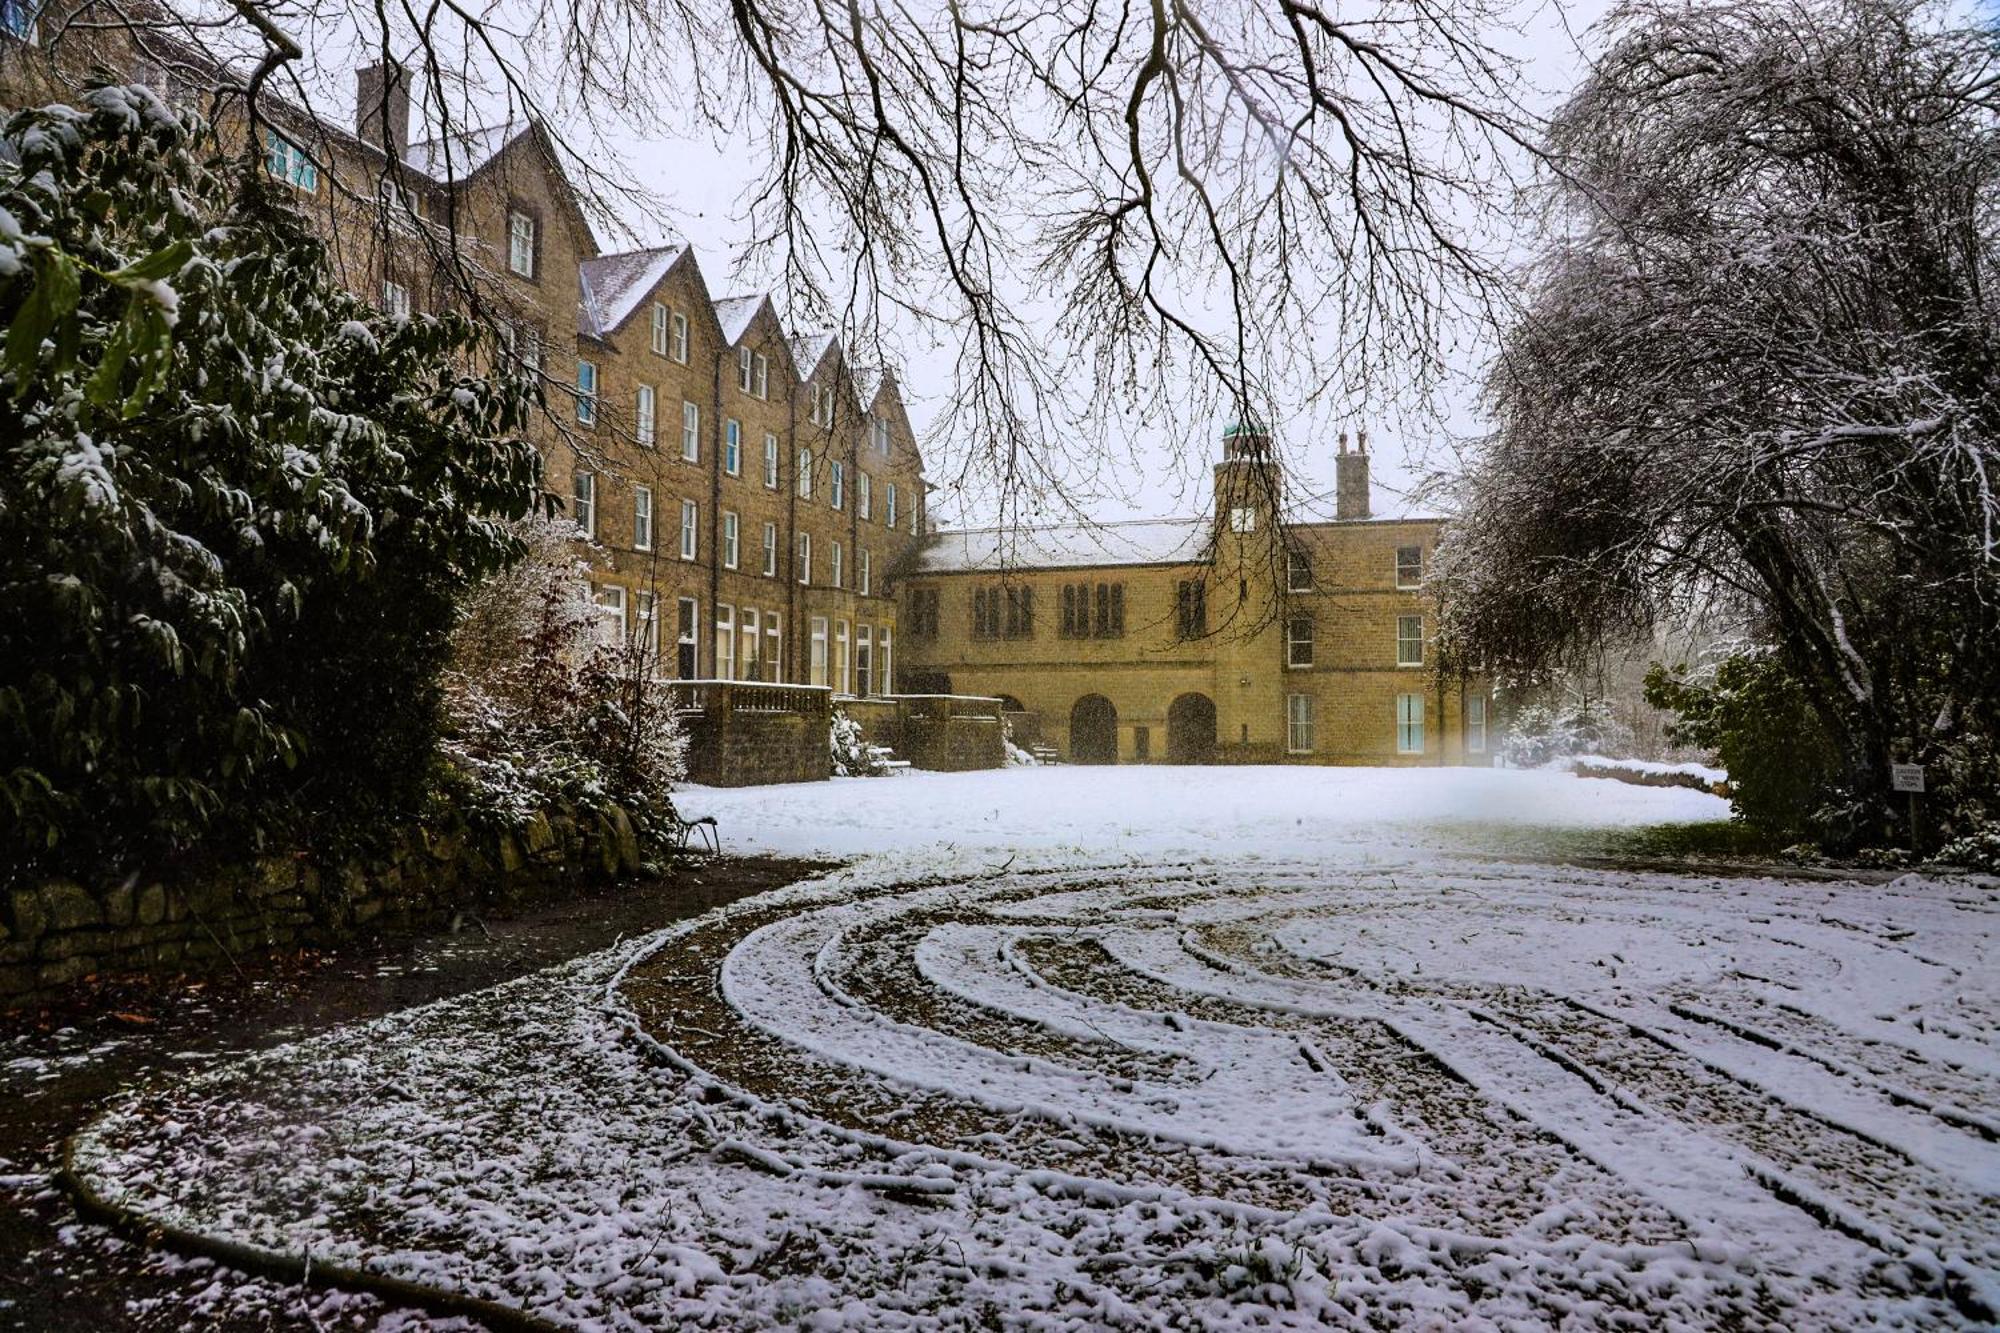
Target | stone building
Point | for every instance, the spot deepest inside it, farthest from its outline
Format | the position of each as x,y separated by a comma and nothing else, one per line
757,504
1245,635
746,489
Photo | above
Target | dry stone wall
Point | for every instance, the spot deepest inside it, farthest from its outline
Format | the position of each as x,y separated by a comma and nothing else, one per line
52,935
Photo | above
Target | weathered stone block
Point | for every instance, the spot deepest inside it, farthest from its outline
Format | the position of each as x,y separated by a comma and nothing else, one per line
150,906
118,905
538,835
628,840
67,906
64,970
16,979
25,914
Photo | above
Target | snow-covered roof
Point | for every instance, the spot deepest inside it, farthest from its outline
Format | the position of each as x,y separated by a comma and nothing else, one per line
734,313
456,156
613,285
809,349
1151,541
867,383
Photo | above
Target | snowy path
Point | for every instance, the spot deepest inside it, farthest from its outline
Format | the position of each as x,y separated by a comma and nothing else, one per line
1349,1080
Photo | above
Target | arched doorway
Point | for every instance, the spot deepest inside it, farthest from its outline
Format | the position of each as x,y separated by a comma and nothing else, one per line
1191,730
1093,731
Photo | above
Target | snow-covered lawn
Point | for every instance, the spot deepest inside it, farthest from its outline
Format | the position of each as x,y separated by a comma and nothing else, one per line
1086,1048
1226,812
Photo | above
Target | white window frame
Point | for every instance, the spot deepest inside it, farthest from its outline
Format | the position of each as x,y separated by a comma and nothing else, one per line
646,617
1409,724
1297,561
644,426
690,530
881,429
763,376
1475,723
1242,518
1294,660
725,642
806,558
885,663
610,600
843,665
864,660
679,347
1300,728
889,510
774,647
770,550
865,572
687,634
1418,581
642,518
1409,647
805,482
743,374
583,501
836,484
395,299
835,570
816,666
750,663
732,538
586,392
771,456
690,432
521,238
732,447
659,342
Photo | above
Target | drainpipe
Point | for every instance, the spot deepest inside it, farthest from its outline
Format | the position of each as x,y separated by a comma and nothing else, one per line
715,511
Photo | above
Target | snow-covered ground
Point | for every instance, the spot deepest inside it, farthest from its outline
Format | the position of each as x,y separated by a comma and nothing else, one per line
1235,1048
1150,811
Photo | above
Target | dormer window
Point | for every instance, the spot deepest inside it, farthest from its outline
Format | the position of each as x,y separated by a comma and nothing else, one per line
521,243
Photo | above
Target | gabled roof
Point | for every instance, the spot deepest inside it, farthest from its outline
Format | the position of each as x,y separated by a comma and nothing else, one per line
809,349
456,156
612,286
734,314
1152,541
868,382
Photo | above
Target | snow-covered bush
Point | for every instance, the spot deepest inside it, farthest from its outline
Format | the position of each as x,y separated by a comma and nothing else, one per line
1755,718
237,504
1543,733
853,756
543,710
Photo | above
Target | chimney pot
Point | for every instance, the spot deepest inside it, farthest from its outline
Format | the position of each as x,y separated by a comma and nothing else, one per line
382,107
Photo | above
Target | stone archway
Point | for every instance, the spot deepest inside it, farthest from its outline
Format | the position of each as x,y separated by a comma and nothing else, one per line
1093,731
1191,730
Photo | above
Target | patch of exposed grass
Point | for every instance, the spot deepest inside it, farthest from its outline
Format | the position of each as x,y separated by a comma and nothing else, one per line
1710,840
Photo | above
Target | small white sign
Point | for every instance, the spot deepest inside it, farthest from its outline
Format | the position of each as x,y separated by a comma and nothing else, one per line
1906,777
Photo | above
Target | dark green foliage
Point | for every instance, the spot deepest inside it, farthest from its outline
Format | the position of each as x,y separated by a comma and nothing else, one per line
1764,731
236,505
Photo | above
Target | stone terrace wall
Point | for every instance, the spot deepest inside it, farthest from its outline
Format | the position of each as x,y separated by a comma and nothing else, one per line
953,745
749,749
54,934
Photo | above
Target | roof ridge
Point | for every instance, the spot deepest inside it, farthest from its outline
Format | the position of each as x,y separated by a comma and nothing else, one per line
1088,523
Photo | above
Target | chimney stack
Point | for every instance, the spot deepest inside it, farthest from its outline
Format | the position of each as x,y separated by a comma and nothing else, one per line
1350,478
382,107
